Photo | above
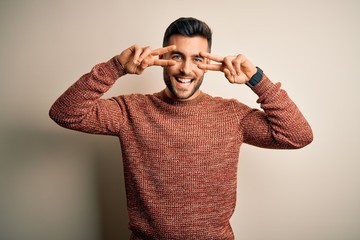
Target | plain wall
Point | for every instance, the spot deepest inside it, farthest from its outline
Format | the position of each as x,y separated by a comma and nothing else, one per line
59,184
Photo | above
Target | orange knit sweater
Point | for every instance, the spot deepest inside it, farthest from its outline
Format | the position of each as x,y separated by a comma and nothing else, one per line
180,158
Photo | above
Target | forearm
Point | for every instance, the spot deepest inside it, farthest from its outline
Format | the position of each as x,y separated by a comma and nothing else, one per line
80,106
281,124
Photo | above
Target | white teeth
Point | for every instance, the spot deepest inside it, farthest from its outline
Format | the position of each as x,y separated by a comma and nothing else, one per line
184,80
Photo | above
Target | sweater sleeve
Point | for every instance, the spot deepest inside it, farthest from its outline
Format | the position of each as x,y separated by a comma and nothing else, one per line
81,108
280,125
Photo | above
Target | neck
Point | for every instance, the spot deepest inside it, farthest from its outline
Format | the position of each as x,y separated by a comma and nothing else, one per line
170,95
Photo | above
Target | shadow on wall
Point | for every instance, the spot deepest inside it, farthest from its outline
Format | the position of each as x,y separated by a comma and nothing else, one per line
111,190
63,185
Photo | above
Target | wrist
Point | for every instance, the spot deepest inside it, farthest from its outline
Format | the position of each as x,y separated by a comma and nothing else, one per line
256,78
117,66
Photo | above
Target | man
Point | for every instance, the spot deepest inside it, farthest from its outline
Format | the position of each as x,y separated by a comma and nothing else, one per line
180,146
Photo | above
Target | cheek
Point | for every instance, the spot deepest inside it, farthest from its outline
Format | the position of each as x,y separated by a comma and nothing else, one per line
168,71
173,69
199,72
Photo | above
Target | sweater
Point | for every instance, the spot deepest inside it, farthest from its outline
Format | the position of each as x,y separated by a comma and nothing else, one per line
180,157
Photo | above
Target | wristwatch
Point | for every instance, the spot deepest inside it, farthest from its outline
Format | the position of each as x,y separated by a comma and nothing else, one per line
256,78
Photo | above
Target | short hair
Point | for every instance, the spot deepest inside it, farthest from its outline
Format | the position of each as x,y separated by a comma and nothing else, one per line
190,27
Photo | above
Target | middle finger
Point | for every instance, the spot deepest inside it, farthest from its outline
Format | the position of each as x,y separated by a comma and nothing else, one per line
163,50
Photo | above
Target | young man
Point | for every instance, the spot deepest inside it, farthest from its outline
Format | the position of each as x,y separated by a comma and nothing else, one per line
181,146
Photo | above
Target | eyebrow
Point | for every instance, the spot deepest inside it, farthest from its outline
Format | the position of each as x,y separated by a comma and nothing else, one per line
180,53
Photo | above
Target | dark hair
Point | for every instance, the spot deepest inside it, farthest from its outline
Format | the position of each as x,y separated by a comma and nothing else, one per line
189,27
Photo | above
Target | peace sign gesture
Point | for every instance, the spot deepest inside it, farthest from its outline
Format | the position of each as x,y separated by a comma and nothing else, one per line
135,58
237,69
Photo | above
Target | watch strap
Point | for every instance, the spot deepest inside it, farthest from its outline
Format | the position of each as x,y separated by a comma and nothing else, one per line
256,78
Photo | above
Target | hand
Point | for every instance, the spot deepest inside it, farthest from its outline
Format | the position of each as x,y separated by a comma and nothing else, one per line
135,58
237,69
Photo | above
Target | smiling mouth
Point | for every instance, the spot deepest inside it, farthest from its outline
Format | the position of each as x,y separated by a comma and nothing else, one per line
184,81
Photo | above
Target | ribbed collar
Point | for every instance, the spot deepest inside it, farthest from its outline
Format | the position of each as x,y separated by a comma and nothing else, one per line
164,97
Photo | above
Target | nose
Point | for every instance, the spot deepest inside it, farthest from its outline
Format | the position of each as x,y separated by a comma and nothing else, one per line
186,67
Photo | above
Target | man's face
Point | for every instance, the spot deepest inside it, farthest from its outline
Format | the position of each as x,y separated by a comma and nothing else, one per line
184,79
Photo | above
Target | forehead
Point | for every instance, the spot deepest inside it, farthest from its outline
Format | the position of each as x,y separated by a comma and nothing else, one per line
189,45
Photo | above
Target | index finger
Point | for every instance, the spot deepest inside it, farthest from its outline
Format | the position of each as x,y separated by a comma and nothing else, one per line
163,50
211,67
212,57
163,62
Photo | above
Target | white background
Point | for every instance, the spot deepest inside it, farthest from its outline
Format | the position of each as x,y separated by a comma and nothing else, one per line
59,184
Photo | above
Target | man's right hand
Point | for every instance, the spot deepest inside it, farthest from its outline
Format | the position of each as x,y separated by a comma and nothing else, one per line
135,58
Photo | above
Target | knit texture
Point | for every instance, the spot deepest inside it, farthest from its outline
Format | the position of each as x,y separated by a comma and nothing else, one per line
180,158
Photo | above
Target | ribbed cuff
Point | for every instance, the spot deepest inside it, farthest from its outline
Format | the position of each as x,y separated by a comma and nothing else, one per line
116,67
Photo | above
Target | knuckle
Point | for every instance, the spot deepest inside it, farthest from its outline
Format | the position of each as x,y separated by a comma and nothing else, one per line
145,62
226,59
147,48
241,57
236,61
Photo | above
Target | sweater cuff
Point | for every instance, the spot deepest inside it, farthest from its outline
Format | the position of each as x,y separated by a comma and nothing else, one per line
116,68
264,85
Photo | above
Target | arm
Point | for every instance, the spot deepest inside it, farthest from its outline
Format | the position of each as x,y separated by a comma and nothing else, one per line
81,108
281,125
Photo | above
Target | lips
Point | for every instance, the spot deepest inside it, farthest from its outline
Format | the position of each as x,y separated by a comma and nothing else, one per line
184,81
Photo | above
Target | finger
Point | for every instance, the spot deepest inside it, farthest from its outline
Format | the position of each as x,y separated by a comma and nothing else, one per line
136,50
212,57
229,76
146,51
144,64
229,65
237,62
237,67
163,62
163,50
211,67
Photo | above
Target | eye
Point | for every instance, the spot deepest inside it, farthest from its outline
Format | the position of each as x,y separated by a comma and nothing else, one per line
198,59
176,57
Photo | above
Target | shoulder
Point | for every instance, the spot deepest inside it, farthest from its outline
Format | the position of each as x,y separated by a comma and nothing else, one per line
230,107
133,98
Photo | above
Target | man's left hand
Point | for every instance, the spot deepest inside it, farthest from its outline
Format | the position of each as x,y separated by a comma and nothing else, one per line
237,69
